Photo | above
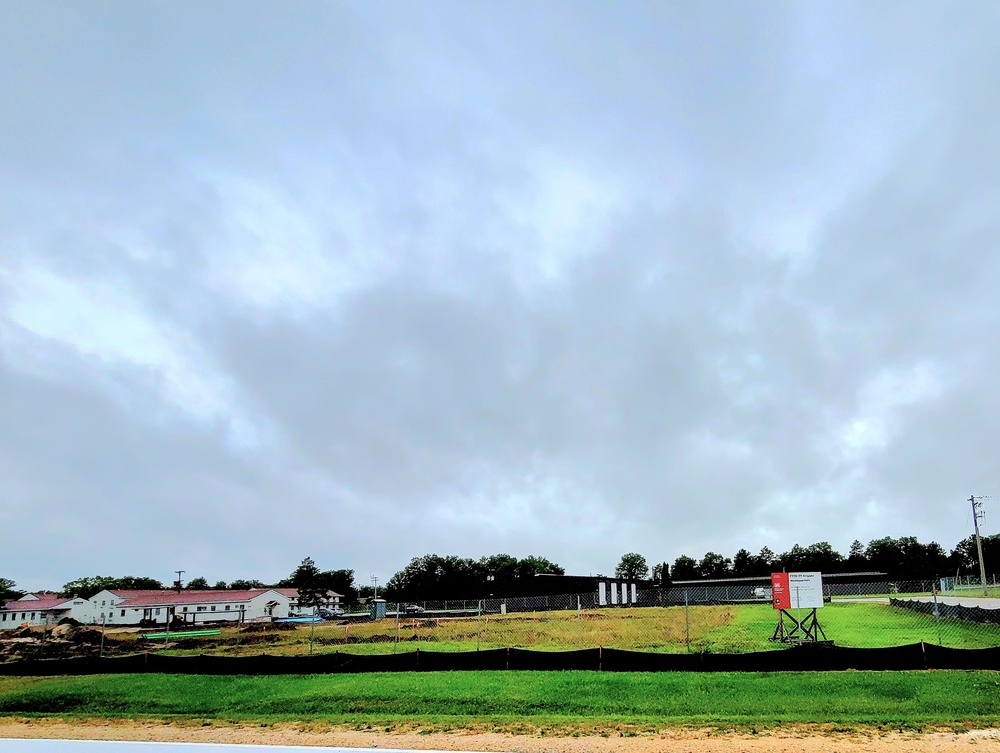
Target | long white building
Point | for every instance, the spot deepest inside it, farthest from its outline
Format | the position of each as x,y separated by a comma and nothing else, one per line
159,607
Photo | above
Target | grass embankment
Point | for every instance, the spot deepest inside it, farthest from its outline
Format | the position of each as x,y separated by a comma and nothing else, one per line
557,702
718,629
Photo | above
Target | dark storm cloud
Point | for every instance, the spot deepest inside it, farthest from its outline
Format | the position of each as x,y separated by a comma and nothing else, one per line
368,282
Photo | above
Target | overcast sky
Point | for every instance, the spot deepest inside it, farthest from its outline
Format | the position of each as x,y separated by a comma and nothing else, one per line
365,281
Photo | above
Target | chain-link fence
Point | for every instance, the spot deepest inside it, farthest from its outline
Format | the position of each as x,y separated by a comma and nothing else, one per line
692,619
701,620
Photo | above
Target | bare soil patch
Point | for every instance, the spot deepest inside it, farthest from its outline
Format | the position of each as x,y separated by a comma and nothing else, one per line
805,739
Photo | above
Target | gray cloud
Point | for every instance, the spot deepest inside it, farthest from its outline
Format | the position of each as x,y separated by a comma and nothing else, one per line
365,283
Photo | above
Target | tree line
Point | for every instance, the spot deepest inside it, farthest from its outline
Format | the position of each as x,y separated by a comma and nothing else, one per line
905,558
437,577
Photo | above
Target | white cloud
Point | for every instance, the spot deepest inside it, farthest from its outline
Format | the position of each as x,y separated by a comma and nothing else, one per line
102,321
880,401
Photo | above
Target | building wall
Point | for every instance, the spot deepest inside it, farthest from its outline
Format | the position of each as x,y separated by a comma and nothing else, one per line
17,613
223,610
107,607
9,620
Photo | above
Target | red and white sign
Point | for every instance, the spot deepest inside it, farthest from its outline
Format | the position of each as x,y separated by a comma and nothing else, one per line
779,591
797,590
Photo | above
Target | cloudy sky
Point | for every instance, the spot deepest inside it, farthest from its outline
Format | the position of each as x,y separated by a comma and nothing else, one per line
365,281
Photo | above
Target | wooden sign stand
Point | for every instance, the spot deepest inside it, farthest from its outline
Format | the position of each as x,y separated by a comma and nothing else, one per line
807,630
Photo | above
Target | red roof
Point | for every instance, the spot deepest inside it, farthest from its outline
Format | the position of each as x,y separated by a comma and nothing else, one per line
155,598
35,605
167,596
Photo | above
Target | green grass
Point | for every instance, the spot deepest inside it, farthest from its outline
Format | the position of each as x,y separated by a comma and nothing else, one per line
718,629
524,701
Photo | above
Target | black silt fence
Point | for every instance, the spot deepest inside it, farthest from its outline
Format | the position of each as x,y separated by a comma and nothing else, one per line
804,658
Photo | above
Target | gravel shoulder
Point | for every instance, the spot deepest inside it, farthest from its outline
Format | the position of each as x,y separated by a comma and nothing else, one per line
807,740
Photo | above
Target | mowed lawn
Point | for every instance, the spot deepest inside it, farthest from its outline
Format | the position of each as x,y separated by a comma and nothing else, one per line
558,702
718,629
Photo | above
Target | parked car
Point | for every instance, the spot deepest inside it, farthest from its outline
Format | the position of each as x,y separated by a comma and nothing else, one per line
411,609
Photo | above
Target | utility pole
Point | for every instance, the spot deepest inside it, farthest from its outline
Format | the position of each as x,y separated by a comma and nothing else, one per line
177,583
977,512
375,585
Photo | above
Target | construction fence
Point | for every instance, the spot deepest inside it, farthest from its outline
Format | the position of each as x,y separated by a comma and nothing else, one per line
803,658
667,627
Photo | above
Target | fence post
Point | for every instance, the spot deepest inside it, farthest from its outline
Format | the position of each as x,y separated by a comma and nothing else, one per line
579,624
937,614
479,623
687,624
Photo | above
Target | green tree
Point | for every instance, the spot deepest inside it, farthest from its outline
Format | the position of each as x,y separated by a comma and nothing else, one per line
308,581
965,557
433,577
341,582
856,559
84,588
793,560
197,584
220,585
246,585
714,565
684,568
537,565
818,557
632,566
743,564
500,572
661,574
907,558
8,591
764,562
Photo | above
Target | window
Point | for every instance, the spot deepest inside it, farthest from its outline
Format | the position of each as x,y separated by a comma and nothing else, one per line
103,602
213,607
3,617
123,613
227,607
157,610
185,609
201,609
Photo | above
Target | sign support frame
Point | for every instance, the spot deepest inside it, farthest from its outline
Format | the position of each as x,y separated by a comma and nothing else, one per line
807,630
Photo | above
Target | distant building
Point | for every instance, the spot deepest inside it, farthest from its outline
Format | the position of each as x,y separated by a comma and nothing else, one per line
39,609
152,607
607,591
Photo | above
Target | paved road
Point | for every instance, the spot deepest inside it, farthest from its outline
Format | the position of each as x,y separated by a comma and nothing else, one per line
964,601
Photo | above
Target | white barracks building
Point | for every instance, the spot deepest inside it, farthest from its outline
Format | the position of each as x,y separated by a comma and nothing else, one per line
120,607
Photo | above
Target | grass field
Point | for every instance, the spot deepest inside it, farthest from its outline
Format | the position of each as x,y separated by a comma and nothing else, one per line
525,701
718,629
